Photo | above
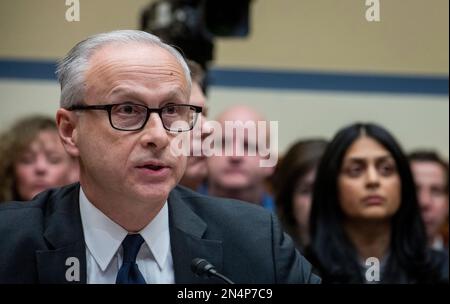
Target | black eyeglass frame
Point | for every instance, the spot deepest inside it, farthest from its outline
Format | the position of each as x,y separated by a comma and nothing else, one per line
108,108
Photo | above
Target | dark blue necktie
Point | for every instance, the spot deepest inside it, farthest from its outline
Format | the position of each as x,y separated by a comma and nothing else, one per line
129,272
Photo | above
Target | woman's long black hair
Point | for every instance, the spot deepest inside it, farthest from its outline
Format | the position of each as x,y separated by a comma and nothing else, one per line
331,250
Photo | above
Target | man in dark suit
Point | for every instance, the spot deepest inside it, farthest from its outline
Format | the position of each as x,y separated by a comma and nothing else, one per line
123,104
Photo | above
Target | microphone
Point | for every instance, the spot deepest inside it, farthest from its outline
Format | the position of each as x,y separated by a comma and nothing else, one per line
202,267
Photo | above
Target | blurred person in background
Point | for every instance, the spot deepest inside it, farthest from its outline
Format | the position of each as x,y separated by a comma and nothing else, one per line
366,225
293,183
196,168
237,176
33,159
431,176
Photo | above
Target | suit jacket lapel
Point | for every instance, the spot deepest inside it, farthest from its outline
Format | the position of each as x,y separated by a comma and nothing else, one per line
187,240
67,250
65,261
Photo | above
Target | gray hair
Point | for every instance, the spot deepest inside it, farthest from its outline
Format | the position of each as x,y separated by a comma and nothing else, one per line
72,68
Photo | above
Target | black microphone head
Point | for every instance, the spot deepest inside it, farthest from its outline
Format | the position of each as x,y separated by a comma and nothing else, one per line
201,267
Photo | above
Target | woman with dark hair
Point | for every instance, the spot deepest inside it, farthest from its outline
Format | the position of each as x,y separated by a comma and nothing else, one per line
365,207
293,183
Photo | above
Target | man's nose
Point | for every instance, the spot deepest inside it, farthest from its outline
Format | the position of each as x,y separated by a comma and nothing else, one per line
424,199
236,157
154,134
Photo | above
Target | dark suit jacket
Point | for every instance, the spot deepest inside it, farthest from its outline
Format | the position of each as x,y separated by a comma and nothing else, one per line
243,241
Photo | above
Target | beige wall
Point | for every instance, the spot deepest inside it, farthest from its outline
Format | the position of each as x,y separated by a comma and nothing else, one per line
412,36
38,29
325,35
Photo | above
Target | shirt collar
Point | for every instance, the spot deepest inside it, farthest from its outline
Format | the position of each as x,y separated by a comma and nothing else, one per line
103,236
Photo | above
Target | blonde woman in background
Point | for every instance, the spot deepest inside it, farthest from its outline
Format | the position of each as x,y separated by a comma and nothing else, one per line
32,159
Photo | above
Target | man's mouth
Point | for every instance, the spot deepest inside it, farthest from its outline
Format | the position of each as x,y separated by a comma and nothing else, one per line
154,171
152,167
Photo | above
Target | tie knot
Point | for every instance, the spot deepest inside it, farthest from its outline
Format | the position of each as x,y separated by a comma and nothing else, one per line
131,245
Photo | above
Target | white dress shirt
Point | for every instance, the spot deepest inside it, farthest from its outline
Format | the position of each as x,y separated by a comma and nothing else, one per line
103,239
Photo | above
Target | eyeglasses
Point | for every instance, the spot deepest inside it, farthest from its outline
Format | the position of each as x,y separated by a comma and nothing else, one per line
133,117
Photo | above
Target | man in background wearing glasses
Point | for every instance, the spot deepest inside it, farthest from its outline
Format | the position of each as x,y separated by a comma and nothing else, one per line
124,99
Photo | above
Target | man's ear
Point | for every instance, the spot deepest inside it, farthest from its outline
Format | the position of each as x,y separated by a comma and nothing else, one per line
67,121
